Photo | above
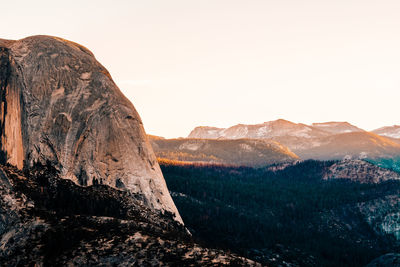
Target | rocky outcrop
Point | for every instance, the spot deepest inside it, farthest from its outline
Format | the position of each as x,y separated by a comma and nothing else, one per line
359,171
59,105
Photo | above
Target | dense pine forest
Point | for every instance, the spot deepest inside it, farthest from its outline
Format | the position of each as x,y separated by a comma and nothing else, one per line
274,216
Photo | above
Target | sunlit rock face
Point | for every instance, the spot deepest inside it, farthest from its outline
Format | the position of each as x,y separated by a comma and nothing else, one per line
59,105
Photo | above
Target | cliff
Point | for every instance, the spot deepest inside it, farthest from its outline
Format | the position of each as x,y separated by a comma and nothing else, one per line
59,105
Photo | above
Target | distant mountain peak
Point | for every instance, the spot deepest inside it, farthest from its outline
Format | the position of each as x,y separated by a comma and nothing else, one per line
389,131
337,127
331,122
281,121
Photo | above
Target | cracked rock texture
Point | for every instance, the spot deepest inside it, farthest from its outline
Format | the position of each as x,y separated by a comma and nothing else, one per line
59,105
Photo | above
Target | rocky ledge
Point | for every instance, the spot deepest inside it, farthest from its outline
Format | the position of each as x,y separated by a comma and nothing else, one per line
360,171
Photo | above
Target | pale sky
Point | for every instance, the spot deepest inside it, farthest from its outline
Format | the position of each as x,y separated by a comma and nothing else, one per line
223,62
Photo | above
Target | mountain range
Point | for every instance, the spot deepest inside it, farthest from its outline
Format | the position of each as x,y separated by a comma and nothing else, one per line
329,140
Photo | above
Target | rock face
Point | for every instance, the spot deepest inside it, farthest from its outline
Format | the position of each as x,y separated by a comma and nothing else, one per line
59,104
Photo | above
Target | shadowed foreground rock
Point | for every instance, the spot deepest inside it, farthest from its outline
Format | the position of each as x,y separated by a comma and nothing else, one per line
48,221
59,104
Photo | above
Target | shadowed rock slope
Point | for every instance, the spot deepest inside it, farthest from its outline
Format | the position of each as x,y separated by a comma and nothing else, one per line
59,104
48,221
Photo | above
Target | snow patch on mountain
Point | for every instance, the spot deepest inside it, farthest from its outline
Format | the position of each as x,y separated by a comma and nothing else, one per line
263,131
190,146
246,147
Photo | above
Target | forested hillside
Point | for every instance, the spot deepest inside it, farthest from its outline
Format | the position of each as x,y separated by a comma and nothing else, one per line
288,215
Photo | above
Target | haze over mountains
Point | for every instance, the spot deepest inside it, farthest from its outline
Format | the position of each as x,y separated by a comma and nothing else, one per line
329,140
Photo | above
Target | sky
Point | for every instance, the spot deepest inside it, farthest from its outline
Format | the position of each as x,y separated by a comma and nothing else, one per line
222,62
